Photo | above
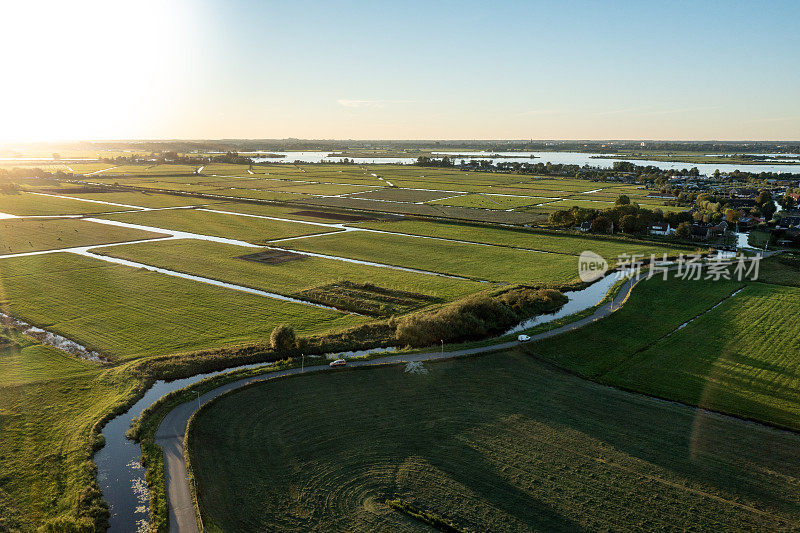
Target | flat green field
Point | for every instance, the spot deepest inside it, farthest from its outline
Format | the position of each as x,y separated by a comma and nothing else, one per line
597,204
484,201
495,443
740,357
314,188
47,166
48,403
127,313
225,169
221,261
141,199
249,229
85,168
18,235
151,170
37,205
293,213
489,263
251,194
402,195
564,243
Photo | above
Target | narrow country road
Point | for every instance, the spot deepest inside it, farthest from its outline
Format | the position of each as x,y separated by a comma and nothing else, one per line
171,432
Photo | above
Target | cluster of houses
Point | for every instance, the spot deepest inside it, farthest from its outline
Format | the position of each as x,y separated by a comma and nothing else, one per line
697,231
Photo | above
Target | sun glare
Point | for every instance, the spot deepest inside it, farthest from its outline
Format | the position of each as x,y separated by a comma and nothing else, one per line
89,69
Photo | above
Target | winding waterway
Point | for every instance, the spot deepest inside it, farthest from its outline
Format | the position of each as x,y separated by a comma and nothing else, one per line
119,469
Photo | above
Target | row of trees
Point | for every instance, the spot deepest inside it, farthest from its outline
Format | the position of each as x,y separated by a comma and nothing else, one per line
625,217
474,317
175,157
425,161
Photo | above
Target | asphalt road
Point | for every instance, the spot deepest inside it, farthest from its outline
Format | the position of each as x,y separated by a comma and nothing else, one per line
171,432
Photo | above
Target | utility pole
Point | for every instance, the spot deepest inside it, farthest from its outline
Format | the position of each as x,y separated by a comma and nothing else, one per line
303,363
442,346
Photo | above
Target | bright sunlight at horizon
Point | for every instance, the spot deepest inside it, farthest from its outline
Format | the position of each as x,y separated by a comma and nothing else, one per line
446,70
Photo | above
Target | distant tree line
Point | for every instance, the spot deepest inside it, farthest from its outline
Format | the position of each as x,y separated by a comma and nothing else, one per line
175,157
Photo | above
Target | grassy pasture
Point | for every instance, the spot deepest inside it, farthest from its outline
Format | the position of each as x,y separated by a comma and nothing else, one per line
523,190
251,194
489,263
85,168
27,204
611,194
599,204
141,199
151,169
562,243
739,358
289,212
315,188
781,270
18,235
447,186
490,202
128,313
225,169
221,261
250,229
402,195
564,184
48,403
495,443
460,213
47,166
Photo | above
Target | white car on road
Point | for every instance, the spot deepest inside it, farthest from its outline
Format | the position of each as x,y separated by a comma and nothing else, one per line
338,362
523,338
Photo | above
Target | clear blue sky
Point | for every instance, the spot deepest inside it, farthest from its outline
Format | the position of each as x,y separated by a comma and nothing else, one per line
210,69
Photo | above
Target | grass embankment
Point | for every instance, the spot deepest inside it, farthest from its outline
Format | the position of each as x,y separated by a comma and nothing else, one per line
19,235
492,263
500,442
128,313
738,358
249,229
50,403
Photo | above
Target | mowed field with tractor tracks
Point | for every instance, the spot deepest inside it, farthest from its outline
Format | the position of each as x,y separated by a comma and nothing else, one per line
500,442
